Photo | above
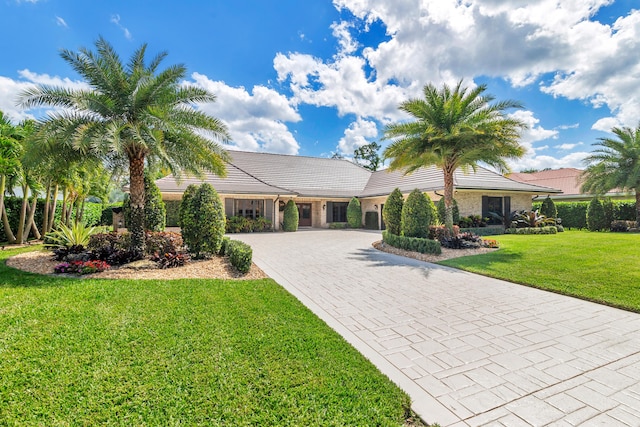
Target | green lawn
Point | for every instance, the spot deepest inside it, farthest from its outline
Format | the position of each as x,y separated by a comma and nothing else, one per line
601,267
184,352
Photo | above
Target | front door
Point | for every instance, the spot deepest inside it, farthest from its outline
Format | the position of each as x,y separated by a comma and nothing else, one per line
304,211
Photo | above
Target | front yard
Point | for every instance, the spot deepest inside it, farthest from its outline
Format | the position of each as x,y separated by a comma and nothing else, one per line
601,267
181,352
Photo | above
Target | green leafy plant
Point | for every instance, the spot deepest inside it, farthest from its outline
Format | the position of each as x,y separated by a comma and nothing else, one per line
596,217
203,221
548,208
417,215
533,219
532,230
240,255
415,244
155,212
291,217
354,213
441,211
76,235
392,212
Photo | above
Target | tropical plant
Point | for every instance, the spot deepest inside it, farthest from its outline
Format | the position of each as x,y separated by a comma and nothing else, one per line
131,114
533,219
76,235
392,212
290,217
203,228
506,219
596,217
454,129
548,208
417,215
10,152
354,213
615,165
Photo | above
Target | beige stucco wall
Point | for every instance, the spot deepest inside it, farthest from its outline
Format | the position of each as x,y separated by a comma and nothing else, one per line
470,202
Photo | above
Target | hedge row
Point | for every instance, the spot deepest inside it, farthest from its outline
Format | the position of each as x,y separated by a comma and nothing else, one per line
415,244
574,214
532,230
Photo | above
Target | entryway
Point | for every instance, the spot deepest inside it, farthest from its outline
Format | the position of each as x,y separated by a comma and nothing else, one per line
304,214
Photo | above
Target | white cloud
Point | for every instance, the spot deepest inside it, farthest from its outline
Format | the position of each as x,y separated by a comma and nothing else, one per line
115,19
341,32
356,135
567,147
256,120
572,160
61,22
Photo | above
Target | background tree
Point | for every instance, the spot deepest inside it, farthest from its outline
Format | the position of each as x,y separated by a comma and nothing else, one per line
131,114
596,219
10,153
291,217
454,128
392,212
367,156
417,215
354,213
615,165
548,208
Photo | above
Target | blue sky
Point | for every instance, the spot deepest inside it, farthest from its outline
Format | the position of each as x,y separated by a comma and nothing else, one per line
321,76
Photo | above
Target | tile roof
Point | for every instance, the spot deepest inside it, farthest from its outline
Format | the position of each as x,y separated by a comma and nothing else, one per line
566,179
273,174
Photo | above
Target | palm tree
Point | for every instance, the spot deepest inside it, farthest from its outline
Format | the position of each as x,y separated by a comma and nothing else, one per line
616,164
454,128
132,114
10,153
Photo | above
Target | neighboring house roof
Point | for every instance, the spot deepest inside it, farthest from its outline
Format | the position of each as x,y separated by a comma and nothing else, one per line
279,174
566,179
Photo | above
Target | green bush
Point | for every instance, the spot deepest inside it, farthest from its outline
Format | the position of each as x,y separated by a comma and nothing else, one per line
392,212
203,223
484,231
291,217
415,244
548,208
440,210
417,215
172,208
609,212
240,255
184,210
625,210
573,214
354,213
596,219
371,220
106,216
338,225
224,245
550,229
154,209
240,224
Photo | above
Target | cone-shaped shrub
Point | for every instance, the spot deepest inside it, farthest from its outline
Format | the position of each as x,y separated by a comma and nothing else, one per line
354,213
417,214
291,217
203,223
392,212
548,208
440,210
596,219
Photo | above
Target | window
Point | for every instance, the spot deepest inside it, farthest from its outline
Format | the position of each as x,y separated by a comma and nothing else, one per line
337,211
497,205
249,208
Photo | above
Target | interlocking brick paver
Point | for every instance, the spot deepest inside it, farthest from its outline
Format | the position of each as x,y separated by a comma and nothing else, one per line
469,350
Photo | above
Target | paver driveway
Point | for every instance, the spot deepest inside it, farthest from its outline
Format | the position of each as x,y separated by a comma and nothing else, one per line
469,350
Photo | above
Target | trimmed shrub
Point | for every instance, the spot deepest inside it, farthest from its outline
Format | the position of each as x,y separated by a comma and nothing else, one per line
224,245
484,231
438,232
354,213
596,220
291,217
625,210
415,244
203,223
440,210
371,220
184,211
609,211
172,208
548,208
532,230
417,215
338,225
472,221
240,224
162,242
573,214
392,212
240,255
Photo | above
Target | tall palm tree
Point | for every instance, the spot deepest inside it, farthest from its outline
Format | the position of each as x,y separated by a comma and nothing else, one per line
454,128
11,151
616,164
132,114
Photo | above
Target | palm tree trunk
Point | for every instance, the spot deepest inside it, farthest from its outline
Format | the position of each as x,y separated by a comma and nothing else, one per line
20,236
5,220
52,214
448,198
47,202
31,224
136,189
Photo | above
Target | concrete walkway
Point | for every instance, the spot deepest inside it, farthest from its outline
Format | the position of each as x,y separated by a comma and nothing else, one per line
469,350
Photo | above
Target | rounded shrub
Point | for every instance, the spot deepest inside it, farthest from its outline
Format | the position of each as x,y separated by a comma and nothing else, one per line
184,211
548,208
354,213
291,217
417,215
203,222
441,214
392,212
596,219
609,212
